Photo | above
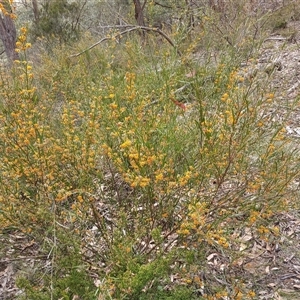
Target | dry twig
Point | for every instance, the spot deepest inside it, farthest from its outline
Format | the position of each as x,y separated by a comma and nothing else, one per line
144,28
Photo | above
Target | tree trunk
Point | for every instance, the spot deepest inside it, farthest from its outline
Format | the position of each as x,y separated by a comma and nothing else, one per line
36,11
8,35
139,12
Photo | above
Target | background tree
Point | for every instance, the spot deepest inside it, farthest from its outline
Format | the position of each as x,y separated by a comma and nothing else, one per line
139,12
36,11
58,18
8,33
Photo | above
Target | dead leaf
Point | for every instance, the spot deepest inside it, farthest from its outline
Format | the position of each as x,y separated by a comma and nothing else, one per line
272,285
243,247
191,74
296,287
211,256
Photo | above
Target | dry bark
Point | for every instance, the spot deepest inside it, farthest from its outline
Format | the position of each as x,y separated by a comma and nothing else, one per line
8,35
139,12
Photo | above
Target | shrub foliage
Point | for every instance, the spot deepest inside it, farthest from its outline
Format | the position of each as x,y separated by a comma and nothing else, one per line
130,164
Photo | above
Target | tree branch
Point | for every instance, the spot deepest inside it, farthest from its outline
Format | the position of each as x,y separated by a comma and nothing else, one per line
144,28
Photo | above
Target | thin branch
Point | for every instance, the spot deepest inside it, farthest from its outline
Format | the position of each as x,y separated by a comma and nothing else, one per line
80,13
162,5
166,6
127,31
144,4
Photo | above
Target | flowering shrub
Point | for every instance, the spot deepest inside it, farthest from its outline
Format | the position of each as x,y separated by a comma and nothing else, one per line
140,168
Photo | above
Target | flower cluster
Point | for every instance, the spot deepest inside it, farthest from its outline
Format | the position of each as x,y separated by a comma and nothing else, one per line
22,45
7,9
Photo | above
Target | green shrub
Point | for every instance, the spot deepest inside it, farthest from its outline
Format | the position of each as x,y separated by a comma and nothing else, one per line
139,164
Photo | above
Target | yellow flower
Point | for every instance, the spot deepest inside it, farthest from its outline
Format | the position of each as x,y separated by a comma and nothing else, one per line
165,215
159,177
254,215
23,30
126,144
134,184
144,182
151,159
183,231
22,38
134,156
113,105
224,97
239,296
251,294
